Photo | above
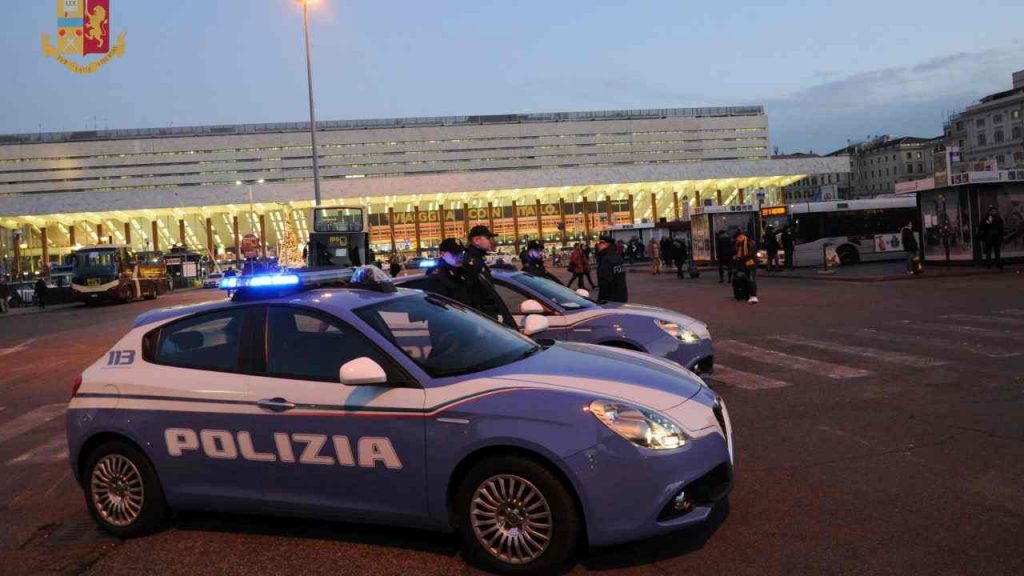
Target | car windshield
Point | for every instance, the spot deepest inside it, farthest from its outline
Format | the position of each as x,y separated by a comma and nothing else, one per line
91,262
555,292
444,338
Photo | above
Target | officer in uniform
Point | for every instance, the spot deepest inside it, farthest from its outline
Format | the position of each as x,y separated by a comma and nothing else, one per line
534,262
611,272
447,278
482,295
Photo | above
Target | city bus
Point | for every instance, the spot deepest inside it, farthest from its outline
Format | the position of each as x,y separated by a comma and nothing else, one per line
113,273
858,230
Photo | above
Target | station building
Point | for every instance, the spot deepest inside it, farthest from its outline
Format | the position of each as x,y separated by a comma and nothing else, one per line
563,177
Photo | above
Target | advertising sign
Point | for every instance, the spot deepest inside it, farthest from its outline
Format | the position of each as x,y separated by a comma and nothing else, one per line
888,243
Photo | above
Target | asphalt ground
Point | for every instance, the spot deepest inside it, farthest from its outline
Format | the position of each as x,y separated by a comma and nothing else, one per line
879,429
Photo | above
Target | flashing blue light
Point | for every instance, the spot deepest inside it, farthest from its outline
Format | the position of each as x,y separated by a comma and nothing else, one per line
428,263
274,280
260,281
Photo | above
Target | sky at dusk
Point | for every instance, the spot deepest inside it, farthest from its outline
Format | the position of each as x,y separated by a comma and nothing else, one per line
826,71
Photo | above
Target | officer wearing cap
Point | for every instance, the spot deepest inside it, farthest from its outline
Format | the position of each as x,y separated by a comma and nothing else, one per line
482,295
447,278
534,262
611,272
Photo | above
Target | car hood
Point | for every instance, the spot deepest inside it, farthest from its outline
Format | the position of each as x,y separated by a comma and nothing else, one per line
655,312
607,372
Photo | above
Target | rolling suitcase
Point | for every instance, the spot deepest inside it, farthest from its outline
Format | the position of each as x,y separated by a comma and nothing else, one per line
740,285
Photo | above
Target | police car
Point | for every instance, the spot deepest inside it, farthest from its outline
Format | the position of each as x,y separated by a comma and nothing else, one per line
384,405
573,317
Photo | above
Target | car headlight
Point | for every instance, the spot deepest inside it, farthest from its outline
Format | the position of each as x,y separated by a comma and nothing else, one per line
679,332
642,427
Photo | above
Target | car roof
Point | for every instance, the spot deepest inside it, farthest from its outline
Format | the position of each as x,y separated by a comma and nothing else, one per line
418,273
335,300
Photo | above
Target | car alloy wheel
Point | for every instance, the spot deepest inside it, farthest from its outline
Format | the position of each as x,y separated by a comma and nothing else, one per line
511,519
117,490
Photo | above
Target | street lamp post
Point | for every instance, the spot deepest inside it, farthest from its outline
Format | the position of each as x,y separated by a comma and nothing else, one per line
312,105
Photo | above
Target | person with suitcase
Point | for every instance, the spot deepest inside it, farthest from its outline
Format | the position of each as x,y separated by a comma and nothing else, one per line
744,282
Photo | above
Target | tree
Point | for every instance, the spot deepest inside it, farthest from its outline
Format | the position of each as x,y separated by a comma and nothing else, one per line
290,254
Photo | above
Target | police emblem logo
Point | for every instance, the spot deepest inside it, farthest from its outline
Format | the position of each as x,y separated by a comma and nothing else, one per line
83,29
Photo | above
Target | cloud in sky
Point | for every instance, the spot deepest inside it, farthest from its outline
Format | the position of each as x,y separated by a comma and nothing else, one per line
908,100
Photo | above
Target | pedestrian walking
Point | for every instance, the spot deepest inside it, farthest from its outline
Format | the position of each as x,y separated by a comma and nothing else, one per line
909,242
5,293
788,246
611,272
666,251
575,266
40,290
587,265
482,294
724,251
746,263
771,247
654,253
991,231
679,256
534,265
394,265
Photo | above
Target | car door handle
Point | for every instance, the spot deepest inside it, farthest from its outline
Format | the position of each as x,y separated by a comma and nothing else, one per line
275,404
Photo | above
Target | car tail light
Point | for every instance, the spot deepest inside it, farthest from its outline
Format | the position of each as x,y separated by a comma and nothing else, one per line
75,385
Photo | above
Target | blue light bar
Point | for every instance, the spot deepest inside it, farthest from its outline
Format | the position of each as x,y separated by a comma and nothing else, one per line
260,281
428,263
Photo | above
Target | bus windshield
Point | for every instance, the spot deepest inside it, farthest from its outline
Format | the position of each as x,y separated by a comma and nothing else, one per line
94,263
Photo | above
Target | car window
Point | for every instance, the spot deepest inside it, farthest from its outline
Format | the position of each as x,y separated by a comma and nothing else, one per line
445,338
512,297
418,284
555,292
301,344
205,342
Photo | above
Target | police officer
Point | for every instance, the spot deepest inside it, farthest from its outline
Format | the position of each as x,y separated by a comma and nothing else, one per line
611,272
482,295
534,263
447,279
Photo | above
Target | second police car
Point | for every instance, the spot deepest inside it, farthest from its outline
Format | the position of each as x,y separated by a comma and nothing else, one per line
574,317
393,406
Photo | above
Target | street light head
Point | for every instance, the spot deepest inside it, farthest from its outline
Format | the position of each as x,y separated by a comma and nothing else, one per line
238,182
260,181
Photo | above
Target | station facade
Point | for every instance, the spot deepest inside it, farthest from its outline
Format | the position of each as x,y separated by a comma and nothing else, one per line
562,177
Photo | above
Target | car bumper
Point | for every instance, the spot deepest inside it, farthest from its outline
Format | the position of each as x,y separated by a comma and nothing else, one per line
698,357
629,493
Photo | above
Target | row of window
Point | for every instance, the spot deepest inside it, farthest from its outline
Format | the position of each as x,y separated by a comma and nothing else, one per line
397,143
403,153
381,175
998,136
367,165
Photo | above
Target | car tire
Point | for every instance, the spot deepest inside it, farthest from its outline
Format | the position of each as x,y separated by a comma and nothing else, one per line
501,507
848,255
122,491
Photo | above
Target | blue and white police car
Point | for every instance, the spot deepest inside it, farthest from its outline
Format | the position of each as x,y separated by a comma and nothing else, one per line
384,405
574,317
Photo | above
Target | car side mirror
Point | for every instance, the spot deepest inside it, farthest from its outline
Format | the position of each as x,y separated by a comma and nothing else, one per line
584,293
535,324
531,307
362,371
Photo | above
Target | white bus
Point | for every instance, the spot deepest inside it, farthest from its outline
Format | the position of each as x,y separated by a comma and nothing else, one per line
859,230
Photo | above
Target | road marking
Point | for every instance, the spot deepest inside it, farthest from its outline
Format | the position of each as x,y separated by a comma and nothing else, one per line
990,351
745,380
54,450
17,348
972,330
992,319
863,351
30,420
766,356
